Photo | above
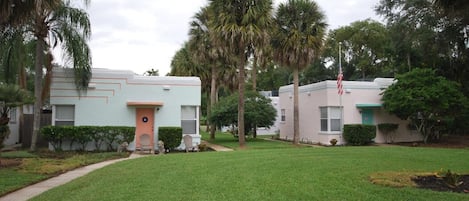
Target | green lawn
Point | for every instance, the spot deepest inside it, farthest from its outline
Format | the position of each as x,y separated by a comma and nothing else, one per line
227,140
288,173
42,165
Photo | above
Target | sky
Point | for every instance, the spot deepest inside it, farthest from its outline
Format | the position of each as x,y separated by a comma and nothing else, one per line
139,35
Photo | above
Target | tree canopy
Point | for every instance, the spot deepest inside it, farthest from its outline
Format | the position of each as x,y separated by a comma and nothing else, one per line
429,101
300,28
259,111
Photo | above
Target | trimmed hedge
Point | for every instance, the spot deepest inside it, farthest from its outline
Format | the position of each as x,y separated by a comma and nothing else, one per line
387,127
358,134
171,136
83,135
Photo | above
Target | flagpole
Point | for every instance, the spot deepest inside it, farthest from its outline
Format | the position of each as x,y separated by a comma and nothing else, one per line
340,94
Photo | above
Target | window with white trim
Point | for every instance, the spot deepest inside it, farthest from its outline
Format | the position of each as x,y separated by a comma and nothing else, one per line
64,115
282,116
12,115
189,119
331,119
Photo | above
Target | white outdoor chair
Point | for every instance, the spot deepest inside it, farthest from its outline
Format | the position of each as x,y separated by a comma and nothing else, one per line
188,144
145,143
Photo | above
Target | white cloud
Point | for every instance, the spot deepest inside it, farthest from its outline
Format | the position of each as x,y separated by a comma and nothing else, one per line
144,34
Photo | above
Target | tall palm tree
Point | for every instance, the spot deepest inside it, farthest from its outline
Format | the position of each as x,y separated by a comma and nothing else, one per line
15,13
238,26
183,64
58,23
454,8
299,35
205,52
152,72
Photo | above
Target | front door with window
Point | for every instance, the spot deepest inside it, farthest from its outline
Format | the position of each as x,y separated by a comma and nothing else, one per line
145,119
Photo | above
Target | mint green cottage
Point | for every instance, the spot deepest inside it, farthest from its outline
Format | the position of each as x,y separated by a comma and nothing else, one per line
122,98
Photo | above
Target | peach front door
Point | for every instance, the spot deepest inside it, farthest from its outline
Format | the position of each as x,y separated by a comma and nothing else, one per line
144,124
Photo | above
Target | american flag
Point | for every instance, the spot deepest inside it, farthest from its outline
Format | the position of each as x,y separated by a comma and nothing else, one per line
339,82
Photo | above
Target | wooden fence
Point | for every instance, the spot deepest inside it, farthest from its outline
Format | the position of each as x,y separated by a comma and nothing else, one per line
26,132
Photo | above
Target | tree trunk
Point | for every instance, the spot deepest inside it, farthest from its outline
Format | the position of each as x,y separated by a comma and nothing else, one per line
37,90
254,88
22,84
213,93
48,77
408,62
208,114
254,74
241,136
296,114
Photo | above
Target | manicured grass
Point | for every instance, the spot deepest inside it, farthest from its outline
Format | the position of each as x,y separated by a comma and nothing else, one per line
17,154
295,173
227,140
12,179
39,166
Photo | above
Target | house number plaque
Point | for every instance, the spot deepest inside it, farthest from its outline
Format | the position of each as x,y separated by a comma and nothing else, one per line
145,119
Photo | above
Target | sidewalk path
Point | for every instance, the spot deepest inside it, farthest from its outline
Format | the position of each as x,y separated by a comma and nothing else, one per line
215,147
36,189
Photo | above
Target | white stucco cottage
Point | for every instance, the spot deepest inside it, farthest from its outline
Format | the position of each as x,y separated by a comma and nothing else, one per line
122,98
321,117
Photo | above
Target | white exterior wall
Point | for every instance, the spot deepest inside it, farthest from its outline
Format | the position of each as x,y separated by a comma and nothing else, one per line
14,124
322,94
105,101
274,128
14,136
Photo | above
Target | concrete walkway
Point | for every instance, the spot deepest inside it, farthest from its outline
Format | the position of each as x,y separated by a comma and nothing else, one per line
215,147
36,189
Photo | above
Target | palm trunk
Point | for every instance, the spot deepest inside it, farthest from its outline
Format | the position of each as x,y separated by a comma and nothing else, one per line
208,114
241,136
48,77
213,93
254,74
296,114
408,61
254,88
38,86
22,84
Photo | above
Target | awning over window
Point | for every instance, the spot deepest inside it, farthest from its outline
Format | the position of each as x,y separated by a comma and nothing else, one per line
369,105
144,103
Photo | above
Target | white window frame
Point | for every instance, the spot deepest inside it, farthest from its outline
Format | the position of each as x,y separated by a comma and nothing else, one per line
186,118
282,115
12,115
57,118
332,113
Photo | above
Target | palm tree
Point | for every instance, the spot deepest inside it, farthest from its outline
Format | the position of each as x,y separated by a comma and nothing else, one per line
454,8
15,13
205,52
238,26
299,35
152,72
183,64
58,23
262,55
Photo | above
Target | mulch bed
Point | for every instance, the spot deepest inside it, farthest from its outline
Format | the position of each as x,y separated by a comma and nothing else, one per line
438,184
